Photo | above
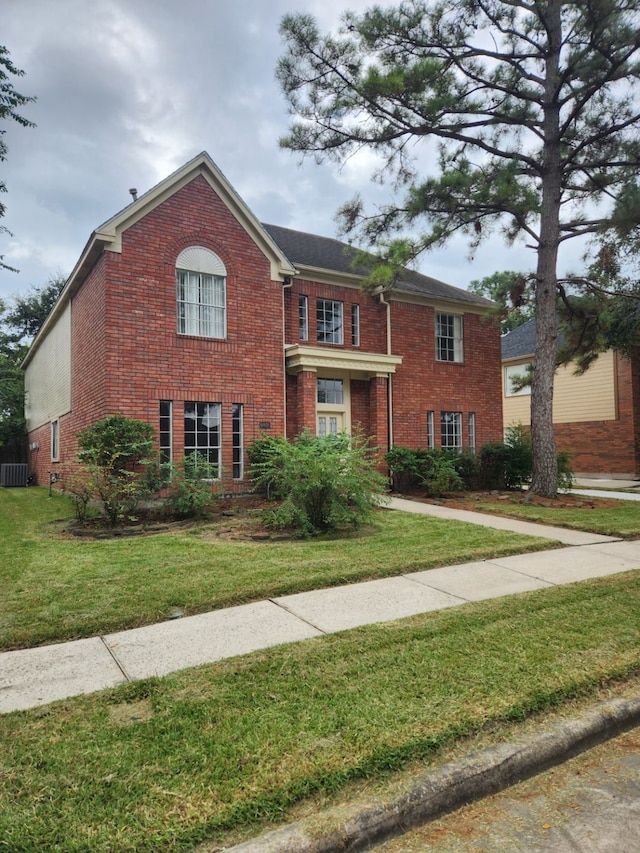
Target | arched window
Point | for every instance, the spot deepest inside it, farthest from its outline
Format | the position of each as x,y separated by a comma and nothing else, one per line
201,293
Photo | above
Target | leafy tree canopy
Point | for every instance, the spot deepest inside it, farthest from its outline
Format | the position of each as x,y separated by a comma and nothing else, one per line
10,102
530,118
512,295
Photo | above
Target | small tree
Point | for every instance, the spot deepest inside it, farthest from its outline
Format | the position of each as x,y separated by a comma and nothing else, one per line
323,483
117,452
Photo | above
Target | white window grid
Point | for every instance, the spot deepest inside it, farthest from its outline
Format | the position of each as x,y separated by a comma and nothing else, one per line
202,434
329,321
451,430
237,440
330,391
449,337
303,318
355,325
166,432
201,302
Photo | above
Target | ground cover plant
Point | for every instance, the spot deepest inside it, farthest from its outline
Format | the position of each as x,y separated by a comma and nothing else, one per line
222,750
58,587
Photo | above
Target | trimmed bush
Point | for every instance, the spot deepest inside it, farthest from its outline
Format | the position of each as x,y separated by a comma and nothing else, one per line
322,483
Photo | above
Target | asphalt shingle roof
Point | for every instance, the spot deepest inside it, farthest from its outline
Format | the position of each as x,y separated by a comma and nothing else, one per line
520,342
330,254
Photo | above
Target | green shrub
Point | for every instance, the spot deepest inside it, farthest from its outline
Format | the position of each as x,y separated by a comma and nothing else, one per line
116,452
519,456
191,487
266,454
493,464
565,471
117,444
441,476
404,468
509,464
323,483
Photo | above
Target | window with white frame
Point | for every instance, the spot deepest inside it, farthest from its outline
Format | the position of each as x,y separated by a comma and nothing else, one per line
514,376
55,441
431,437
472,432
202,435
237,440
330,391
355,325
165,431
303,318
451,430
449,337
329,321
201,293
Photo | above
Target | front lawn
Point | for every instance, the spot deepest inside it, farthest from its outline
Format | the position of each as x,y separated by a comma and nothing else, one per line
220,751
604,515
58,587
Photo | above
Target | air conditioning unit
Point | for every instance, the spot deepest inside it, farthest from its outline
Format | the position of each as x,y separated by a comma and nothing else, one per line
14,474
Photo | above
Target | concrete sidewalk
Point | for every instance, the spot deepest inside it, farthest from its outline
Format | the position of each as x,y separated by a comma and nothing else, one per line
33,677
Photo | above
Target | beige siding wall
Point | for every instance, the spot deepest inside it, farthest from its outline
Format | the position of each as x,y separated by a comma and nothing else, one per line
590,397
48,375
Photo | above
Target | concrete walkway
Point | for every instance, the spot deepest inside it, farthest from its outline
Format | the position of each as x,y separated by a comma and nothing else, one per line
33,677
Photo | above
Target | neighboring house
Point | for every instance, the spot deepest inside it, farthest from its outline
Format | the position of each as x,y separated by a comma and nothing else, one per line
596,415
186,312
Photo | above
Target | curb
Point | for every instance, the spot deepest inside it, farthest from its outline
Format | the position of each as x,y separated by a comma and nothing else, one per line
432,795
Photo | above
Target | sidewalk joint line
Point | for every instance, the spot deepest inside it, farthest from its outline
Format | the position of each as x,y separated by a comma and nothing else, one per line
300,618
115,660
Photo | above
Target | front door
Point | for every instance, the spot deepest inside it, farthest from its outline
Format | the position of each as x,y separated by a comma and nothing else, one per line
329,423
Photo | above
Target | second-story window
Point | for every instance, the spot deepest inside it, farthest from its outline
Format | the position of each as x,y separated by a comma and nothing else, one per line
449,337
329,321
303,318
201,295
355,325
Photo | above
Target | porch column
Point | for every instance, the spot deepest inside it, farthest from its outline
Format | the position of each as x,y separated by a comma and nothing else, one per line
378,412
306,401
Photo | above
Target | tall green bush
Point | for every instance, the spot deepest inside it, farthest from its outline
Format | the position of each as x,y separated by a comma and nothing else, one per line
322,483
117,453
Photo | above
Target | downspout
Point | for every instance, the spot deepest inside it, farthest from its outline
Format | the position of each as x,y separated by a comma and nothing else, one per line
383,301
288,282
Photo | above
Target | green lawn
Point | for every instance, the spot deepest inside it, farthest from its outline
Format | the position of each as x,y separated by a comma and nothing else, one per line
56,588
222,750
621,519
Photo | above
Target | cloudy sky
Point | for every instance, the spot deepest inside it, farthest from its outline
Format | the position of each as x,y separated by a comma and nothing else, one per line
129,90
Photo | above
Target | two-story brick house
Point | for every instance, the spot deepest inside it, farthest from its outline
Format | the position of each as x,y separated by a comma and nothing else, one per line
185,311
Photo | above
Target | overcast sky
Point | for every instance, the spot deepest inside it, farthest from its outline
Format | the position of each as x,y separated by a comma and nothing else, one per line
129,90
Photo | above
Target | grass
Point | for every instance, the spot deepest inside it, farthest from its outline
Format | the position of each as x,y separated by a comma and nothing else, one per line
222,750
621,519
56,588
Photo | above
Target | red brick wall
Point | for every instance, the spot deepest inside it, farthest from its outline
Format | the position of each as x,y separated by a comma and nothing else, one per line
372,316
422,384
127,354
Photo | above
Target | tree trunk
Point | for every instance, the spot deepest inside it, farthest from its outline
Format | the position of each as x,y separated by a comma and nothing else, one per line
544,480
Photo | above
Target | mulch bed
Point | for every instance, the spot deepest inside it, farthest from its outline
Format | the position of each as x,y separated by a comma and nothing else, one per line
500,501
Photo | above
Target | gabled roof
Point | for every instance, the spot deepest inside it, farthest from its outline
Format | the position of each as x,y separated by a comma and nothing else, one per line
289,252
326,253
